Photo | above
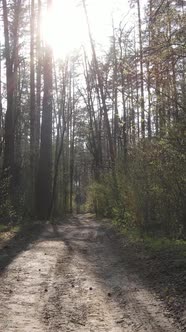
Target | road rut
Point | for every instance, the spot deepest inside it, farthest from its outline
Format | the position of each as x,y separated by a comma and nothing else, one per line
75,277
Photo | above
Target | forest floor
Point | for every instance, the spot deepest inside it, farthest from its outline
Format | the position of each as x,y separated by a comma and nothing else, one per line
81,275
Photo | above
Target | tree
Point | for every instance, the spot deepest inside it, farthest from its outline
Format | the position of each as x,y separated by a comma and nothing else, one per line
44,178
11,55
32,105
100,86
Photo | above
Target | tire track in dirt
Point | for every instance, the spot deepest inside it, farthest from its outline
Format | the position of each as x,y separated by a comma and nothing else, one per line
23,285
74,278
94,290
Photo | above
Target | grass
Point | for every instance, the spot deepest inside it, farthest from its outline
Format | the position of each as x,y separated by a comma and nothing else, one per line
154,244
164,245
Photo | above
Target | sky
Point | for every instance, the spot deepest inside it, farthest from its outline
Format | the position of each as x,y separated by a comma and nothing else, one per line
65,28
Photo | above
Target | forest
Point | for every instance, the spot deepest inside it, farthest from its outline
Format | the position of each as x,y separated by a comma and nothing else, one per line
100,130
93,165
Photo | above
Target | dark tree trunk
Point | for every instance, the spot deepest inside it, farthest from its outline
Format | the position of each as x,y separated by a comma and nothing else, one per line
38,98
44,181
11,56
142,102
1,109
8,162
32,107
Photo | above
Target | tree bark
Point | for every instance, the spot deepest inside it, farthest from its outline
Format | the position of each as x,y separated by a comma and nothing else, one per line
44,181
11,57
142,102
32,106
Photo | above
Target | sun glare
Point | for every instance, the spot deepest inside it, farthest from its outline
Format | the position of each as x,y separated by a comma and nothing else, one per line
64,28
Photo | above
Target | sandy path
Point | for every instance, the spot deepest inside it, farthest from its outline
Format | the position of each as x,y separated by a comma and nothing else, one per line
75,278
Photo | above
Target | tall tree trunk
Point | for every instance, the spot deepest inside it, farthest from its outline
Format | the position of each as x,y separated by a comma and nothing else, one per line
38,98
149,124
11,56
137,97
44,181
72,160
142,102
8,162
32,106
1,108
125,138
115,93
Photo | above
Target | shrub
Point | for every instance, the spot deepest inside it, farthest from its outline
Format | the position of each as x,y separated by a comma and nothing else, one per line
149,194
7,211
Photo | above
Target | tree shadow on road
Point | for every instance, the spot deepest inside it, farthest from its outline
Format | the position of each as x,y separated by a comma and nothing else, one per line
112,258
27,234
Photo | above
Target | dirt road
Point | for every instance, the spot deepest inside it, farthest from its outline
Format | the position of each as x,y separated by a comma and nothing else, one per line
76,277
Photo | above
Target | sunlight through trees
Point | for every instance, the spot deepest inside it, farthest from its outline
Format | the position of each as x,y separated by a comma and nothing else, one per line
92,111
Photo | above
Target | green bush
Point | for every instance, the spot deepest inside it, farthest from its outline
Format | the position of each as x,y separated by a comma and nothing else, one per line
149,194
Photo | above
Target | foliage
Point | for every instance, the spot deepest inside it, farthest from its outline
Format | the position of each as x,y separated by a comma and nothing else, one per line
112,121
157,173
150,195
99,198
7,211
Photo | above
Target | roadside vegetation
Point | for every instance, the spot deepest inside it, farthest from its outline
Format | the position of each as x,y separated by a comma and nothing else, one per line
101,130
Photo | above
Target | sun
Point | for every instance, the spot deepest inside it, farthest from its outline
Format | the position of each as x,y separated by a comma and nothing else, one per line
64,27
